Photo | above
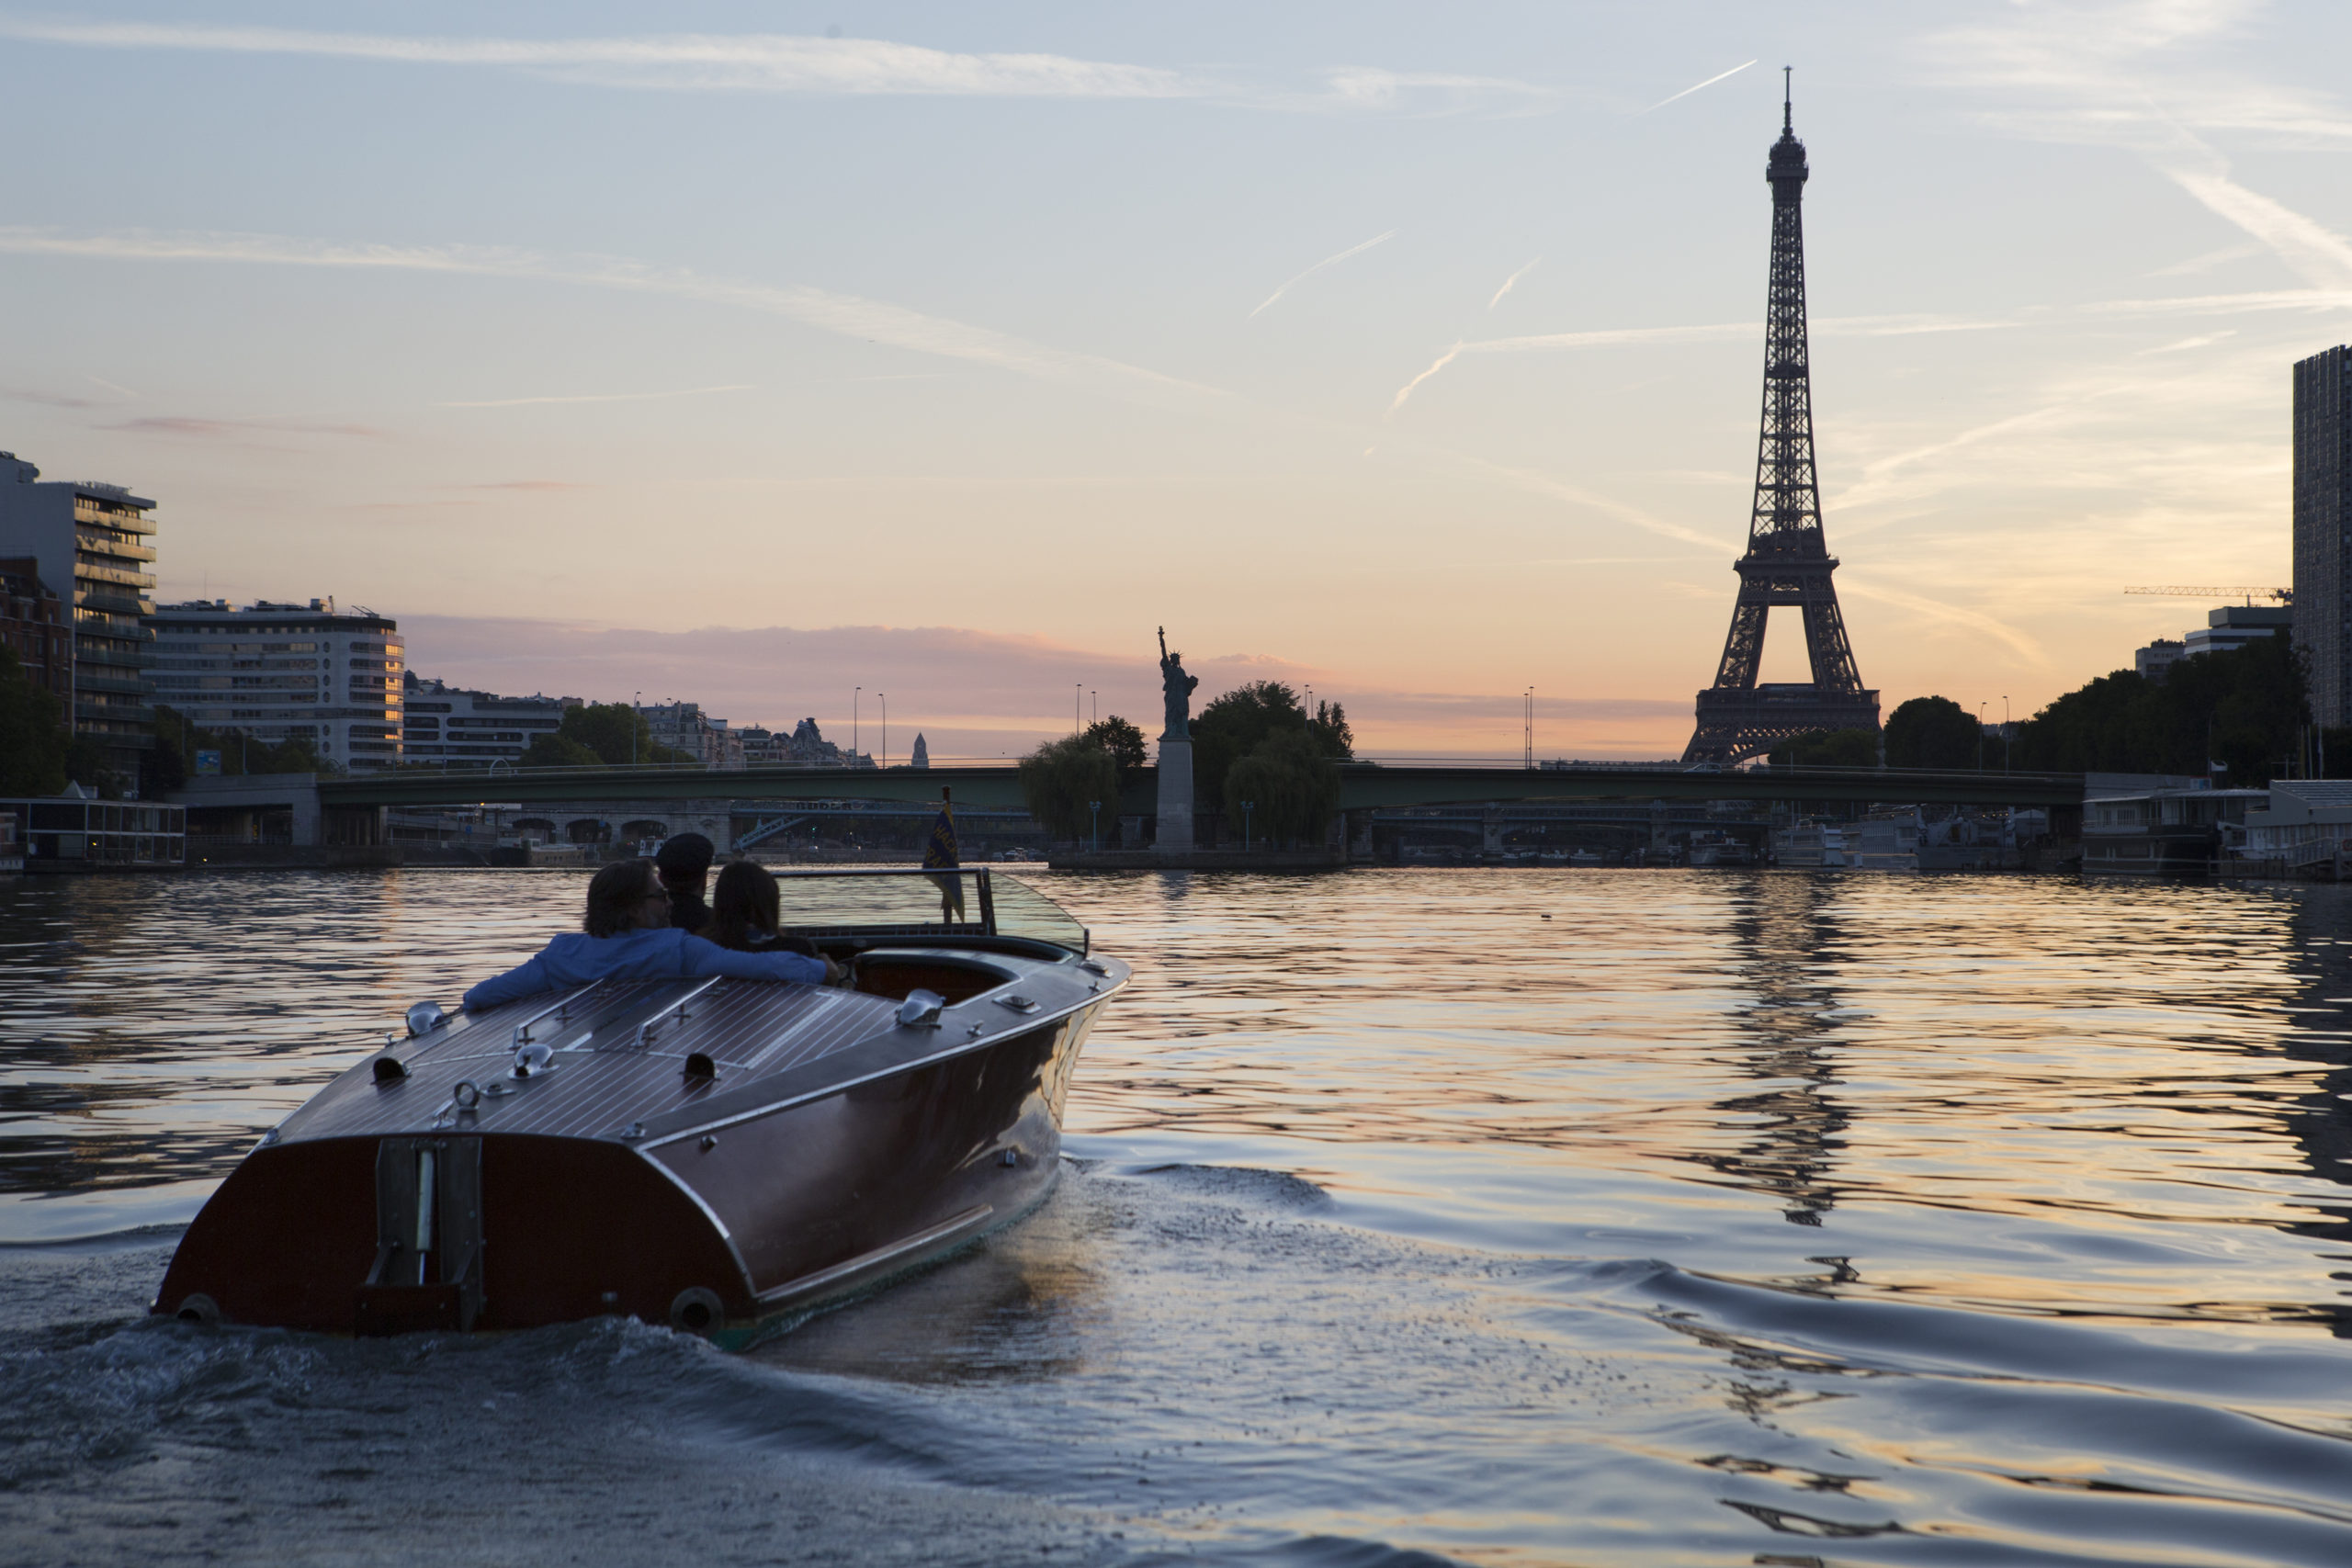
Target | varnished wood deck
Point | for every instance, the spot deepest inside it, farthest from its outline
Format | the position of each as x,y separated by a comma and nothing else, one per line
610,1069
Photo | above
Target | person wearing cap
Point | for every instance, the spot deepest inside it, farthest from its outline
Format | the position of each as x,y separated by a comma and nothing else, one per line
684,861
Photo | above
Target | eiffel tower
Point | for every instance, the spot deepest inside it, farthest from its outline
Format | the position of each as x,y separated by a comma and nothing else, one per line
1787,562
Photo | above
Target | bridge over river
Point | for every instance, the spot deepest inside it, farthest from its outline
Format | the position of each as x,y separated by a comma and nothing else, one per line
357,813
1362,786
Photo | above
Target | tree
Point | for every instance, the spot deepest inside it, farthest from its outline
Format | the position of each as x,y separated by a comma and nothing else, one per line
1124,741
1061,779
616,733
177,739
1331,729
1292,786
1932,732
2242,709
33,737
1232,726
555,751
1830,749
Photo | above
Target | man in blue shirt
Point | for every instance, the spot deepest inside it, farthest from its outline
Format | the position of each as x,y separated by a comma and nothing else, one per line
627,936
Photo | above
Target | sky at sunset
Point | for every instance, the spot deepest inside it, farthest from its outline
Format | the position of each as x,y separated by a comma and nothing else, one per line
753,354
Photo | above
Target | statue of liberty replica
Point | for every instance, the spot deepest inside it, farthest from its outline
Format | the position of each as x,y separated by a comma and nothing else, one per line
1174,835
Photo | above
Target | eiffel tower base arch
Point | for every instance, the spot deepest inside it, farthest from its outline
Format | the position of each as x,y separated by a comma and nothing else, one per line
1739,722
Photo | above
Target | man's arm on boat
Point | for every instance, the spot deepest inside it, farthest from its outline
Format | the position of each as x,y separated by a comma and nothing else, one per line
703,957
525,979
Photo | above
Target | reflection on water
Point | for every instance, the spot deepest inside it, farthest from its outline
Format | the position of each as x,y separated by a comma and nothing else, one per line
1786,933
1512,1218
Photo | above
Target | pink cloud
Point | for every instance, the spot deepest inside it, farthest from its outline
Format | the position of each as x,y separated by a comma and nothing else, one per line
976,694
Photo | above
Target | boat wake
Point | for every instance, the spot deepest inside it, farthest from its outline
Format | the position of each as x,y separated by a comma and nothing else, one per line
1197,1361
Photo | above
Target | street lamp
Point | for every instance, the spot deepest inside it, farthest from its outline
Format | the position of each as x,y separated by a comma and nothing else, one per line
855,691
1077,706
2005,735
1980,734
635,703
1245,825
883,698
1096,807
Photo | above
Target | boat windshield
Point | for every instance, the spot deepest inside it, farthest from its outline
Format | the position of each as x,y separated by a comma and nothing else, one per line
892,901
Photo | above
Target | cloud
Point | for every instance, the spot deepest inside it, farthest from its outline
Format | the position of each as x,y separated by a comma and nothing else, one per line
1326,261
2200,341
845,314
1717,331
529,485
2320,256
1511,282
1370,87
1708,83
54,399
788,62
217,429
778,63
1440,363
2207,261
1875,484
2144,78
2256,303
2139,75
600,397
2000,631
974,694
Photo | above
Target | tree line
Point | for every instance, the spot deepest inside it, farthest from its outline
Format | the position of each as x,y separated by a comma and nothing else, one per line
1257,752
2241,716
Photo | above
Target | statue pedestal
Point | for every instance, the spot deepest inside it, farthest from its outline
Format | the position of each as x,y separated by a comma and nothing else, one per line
1175,835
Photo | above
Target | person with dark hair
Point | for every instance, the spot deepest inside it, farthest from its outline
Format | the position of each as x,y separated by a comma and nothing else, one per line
748,915
683,860
627,935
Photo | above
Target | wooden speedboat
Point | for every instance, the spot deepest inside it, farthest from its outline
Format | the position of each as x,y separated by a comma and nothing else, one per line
716,1154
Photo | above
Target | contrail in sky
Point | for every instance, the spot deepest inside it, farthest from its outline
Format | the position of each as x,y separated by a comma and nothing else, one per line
602,397
870,321
1442,361
1688,91
1326,261
1510,281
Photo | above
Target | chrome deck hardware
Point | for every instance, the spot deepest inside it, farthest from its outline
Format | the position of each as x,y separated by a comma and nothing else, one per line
557,1011
676,1009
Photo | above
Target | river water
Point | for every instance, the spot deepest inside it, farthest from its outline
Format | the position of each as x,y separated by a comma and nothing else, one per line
1494,1217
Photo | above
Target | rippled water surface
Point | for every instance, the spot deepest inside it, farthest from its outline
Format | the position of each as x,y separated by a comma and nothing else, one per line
1500,1217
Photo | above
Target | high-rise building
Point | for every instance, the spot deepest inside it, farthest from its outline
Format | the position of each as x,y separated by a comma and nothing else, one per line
2323,619
88,544
283,672
463,729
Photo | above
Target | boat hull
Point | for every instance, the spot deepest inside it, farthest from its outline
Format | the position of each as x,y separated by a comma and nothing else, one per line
723,1226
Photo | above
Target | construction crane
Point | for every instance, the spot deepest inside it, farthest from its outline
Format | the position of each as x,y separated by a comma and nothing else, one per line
2270,595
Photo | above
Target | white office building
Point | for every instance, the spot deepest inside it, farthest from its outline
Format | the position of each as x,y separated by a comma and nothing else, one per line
2235,625
286,671
458,727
